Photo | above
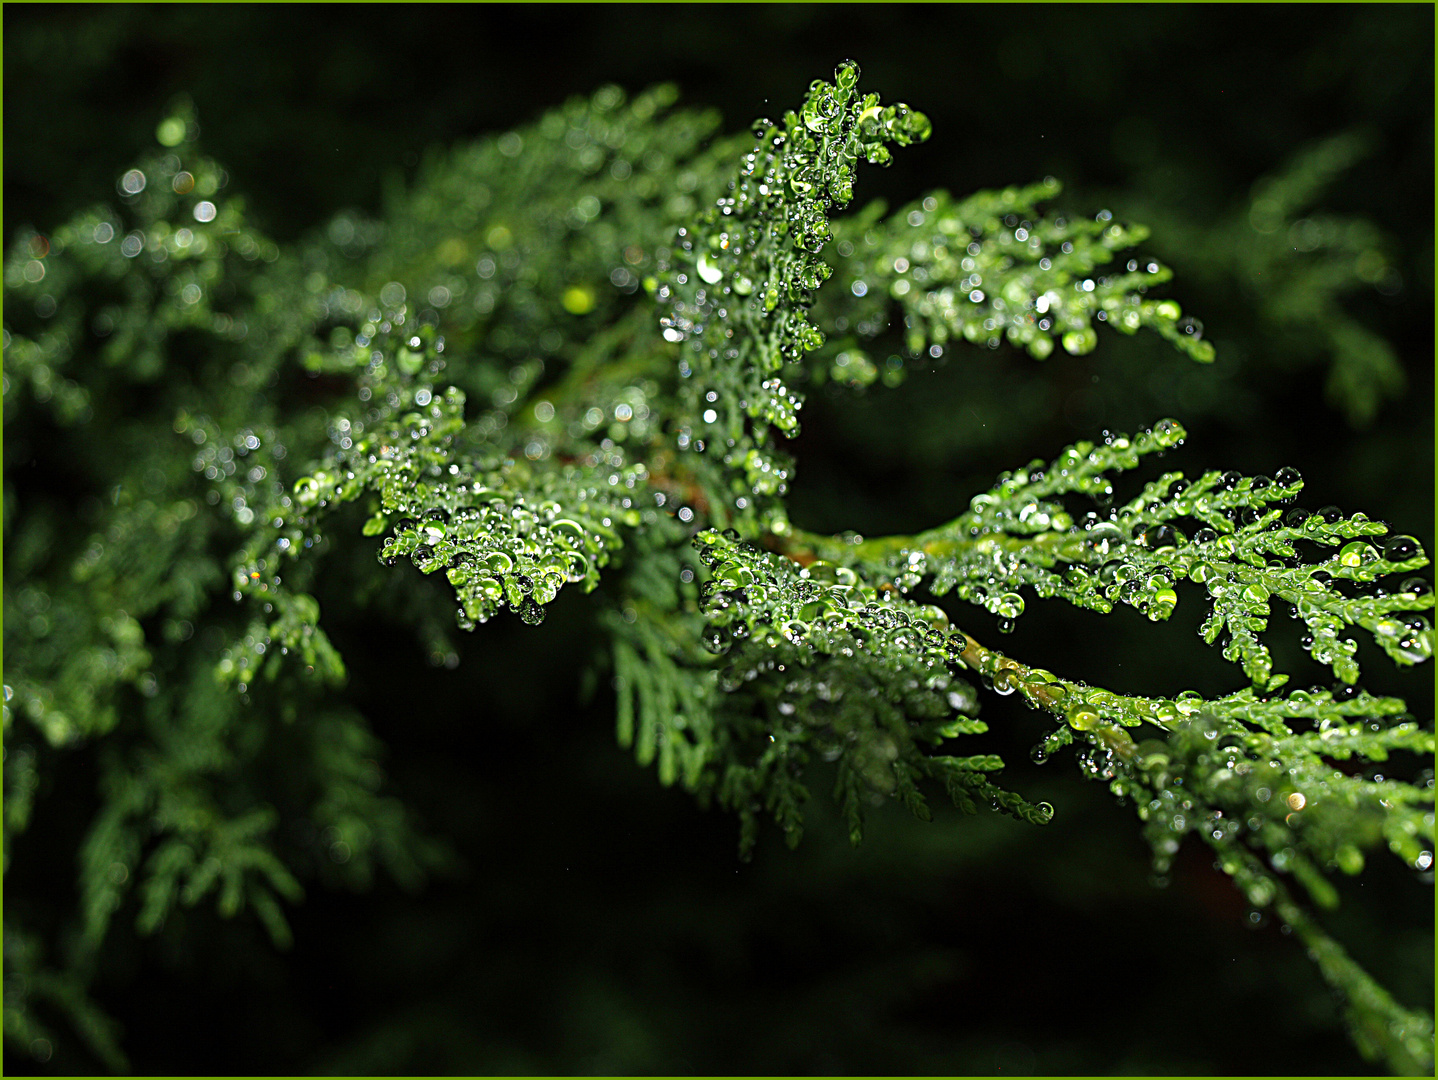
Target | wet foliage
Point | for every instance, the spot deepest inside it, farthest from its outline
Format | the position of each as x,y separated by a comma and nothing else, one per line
569,360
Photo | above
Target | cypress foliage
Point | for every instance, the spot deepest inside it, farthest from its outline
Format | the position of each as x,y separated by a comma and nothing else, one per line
570,359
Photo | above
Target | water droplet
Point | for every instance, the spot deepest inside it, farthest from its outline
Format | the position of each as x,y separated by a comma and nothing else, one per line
1168,433
1400,549
1006,681
1009,606
709,270
1079,342
1356,553
1160,536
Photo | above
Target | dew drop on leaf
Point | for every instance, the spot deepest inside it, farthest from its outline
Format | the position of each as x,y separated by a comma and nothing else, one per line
1400,549
709,270
1356,554
530,612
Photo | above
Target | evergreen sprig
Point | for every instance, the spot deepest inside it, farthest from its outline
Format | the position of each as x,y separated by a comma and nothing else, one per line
1236,536
566,358
992,268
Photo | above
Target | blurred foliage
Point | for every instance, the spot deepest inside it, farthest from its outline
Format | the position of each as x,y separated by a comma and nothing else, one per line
574,917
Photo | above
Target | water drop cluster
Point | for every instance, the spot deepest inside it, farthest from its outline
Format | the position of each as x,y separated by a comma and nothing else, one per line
738,282
1239,538
992,268
827,665
565,359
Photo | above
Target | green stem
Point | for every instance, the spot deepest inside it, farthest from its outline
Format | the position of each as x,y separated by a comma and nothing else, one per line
945,541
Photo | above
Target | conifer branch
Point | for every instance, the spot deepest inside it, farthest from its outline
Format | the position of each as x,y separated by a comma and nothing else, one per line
598,405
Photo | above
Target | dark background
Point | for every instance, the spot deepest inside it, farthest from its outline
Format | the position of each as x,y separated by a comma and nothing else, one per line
603,924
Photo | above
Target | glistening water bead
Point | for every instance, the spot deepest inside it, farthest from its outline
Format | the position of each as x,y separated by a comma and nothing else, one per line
1287,477
531,612
1400,549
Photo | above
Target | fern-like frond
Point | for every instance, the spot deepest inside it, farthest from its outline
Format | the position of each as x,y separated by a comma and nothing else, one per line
815,661
1239,537
993,268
